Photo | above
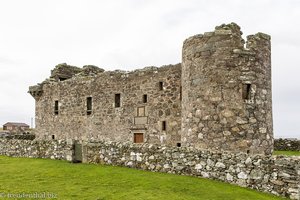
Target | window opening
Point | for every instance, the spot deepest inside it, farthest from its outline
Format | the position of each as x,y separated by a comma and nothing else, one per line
56,108
145,98
117,100
89,105
161,85
164,125
246,91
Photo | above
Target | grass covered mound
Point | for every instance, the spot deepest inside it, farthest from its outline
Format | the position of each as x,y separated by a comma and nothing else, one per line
87,181
287,153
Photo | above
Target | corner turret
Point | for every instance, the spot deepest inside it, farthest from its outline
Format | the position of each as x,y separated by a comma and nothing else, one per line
227,101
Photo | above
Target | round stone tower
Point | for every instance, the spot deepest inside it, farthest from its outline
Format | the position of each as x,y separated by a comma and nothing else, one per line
226,91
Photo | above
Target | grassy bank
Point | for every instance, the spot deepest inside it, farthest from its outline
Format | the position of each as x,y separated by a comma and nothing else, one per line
287,153
87,181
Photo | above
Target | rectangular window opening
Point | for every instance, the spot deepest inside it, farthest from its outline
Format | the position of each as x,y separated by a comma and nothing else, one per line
180,93
178,144
138,138
117,100
89,105
164,125
161,85
56,108
53,137
62,79
145,98
246,91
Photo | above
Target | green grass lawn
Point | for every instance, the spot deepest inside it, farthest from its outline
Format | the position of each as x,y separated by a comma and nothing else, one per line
87,181
287,153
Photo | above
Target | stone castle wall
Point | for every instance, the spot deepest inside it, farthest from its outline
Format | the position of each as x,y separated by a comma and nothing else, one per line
226,102
287,144
105,120
219,98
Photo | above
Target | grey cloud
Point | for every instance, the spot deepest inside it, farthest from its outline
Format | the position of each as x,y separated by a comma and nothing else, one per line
126,34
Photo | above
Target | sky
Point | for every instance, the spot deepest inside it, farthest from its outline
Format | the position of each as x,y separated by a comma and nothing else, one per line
36,35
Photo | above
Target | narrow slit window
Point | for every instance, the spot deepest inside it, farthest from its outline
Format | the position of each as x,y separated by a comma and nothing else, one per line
180,93
56,107
161,85
89,105
145,98
117,100
53,137
164,125
246,91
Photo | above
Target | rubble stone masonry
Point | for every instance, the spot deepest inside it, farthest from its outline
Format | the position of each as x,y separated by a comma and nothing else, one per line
278,175
219,98
147,98
287,144
227,101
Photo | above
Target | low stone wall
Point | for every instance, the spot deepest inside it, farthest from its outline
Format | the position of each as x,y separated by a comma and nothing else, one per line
18,136
277,174
286,144
53,149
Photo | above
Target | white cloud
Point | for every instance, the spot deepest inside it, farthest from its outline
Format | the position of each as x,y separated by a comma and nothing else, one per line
126,34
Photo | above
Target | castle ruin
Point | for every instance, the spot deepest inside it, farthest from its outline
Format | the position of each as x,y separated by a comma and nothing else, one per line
218,98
